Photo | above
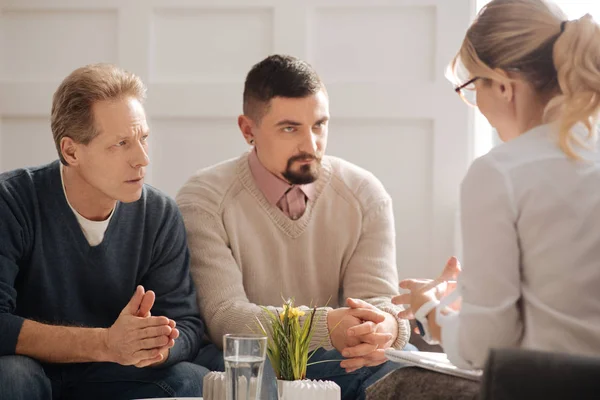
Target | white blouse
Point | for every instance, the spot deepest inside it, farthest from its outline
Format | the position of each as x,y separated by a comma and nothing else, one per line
530,221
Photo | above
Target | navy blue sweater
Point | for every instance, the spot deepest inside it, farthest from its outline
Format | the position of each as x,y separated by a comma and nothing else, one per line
50,273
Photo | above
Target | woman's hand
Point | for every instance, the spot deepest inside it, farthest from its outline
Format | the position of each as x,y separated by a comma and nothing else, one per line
423,290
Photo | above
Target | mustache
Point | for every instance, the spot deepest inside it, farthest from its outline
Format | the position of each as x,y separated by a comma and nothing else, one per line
303,157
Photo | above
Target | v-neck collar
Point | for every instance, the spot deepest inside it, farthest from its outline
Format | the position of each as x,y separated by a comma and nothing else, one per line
294,228
68,216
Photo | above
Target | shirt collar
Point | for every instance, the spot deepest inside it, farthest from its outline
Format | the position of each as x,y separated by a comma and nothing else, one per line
273,187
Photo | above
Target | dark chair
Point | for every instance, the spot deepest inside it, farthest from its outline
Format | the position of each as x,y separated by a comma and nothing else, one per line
514,374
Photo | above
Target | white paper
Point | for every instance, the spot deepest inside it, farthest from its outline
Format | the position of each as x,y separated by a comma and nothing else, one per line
432,361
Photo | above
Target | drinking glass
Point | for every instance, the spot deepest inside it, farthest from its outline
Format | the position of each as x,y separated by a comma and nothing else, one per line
244,361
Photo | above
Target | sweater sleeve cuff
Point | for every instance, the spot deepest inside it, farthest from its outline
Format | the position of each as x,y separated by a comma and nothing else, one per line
176,354
321,337
10,328
403,325
186,346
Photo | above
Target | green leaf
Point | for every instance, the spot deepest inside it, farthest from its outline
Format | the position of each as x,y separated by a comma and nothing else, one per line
289,340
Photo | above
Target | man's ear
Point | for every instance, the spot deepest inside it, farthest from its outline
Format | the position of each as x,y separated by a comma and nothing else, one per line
69,150
246,127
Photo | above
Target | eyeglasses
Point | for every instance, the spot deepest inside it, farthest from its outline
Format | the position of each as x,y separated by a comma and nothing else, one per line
467,92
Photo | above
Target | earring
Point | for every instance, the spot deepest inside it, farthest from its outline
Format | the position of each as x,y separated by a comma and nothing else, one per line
251,142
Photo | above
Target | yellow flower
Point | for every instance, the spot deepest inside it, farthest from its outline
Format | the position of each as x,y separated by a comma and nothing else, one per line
296,313
291,312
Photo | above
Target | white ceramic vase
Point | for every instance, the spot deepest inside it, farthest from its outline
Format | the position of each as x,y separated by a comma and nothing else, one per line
308,389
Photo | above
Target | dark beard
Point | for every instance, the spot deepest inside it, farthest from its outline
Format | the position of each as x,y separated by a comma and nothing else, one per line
307,173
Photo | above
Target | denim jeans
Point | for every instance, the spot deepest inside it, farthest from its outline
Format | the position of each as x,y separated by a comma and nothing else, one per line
353,385
24,378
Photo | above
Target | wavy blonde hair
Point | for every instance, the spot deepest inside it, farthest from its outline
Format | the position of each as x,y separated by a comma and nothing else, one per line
561,61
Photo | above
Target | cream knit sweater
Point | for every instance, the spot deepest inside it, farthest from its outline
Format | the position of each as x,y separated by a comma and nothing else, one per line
246,253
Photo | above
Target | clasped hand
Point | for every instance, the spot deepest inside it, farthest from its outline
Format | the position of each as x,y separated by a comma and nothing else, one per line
361,332
138,338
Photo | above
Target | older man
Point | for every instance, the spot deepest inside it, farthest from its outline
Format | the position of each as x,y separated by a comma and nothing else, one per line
96,301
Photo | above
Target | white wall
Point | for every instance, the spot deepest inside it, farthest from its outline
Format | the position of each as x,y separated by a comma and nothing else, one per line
383,62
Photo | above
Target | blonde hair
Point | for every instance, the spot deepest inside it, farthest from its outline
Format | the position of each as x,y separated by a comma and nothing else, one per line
72,102
559,59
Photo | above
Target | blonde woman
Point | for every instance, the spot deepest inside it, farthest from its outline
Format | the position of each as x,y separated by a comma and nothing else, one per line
530,208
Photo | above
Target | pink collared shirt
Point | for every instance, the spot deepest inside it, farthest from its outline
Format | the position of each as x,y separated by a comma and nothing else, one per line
291,199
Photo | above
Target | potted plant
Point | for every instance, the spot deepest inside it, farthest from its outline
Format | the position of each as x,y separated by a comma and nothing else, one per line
288,351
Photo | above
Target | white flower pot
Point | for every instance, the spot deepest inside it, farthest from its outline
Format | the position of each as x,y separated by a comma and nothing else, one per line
308,389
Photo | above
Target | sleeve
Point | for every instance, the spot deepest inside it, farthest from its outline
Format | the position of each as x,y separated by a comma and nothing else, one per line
490,283
371,273
169,277
11,249
221,295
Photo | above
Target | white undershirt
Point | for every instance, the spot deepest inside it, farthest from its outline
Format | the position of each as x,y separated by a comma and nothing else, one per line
92,230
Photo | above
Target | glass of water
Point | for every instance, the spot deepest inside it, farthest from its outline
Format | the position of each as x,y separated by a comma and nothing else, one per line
244,361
